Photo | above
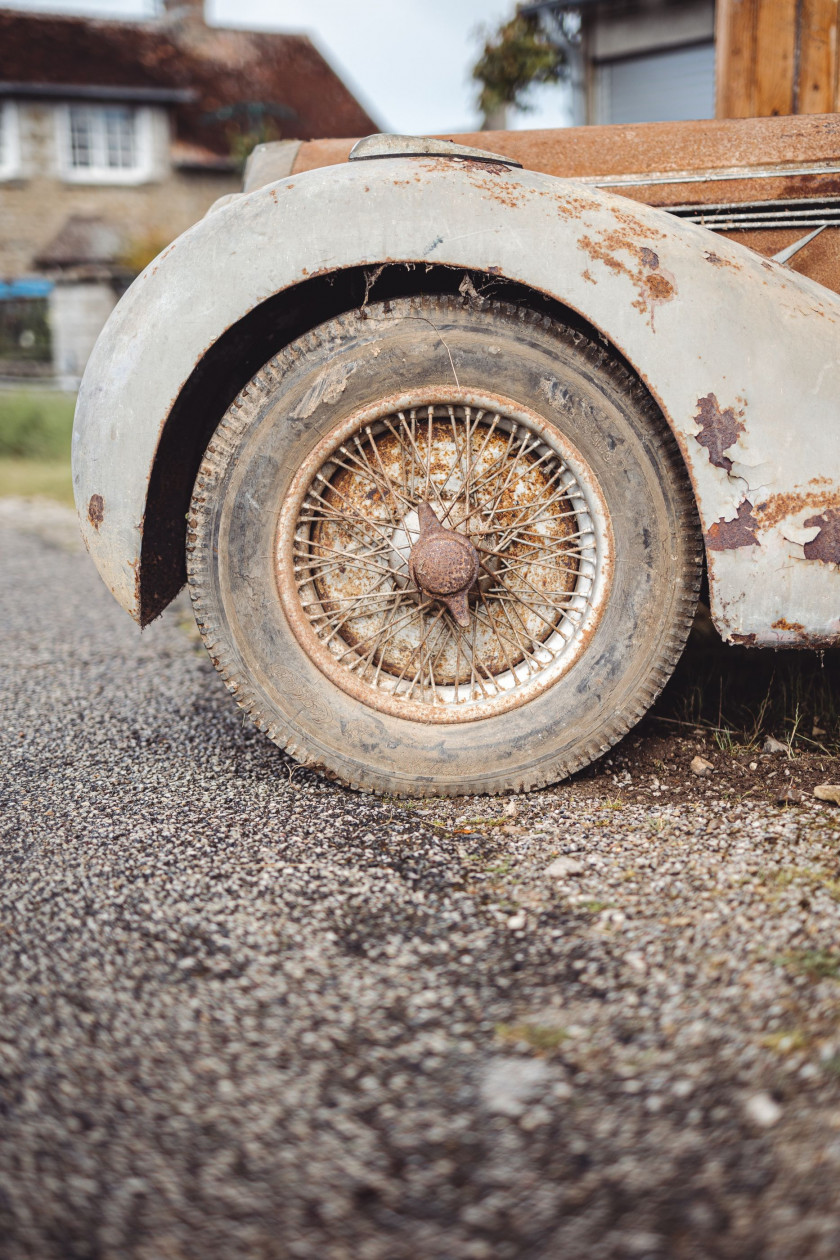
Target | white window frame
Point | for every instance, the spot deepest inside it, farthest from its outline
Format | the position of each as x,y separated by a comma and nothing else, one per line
140,173
10,167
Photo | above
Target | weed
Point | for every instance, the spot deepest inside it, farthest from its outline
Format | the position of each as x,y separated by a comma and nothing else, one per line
500,868
786,1042
805,875
594,906
817,964
469,823
725,741
540,1037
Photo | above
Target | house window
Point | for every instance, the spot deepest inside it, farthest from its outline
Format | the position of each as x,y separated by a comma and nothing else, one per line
9,141
106,143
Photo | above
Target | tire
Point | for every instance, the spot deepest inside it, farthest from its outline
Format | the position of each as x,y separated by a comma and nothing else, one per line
402,451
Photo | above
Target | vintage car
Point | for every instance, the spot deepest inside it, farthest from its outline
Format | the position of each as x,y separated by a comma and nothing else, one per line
441,436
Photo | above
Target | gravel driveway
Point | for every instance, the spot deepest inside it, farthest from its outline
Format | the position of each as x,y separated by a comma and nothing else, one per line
248,1013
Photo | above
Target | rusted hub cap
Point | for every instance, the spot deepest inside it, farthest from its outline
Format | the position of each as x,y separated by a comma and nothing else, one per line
444,564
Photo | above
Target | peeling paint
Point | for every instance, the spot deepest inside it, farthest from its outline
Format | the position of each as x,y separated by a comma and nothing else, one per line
826,546
719,429
729,535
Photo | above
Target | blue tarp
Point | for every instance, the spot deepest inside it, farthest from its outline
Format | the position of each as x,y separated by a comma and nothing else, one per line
28,287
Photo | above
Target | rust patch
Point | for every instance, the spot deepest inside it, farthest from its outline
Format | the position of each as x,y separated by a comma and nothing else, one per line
790,627
660,288
587,276
653,283
826,546
746,640
719,429
96,510
787,503
730,535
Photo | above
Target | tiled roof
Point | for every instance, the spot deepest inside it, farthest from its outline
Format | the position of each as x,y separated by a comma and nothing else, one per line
240,79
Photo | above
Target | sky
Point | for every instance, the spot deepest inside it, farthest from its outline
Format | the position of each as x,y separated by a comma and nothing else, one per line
408,61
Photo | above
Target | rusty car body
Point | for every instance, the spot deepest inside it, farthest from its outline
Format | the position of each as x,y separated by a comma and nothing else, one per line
703,255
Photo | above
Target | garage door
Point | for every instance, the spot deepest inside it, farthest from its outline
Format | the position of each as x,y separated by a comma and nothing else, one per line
657,87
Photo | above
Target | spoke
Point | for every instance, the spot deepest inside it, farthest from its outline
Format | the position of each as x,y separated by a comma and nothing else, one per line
354,514
531,511
492,622
413,655
375,448
347,613
319,567
373,649
396,625
528,654
518,602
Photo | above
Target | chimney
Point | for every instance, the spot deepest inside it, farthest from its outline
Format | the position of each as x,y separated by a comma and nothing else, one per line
175,12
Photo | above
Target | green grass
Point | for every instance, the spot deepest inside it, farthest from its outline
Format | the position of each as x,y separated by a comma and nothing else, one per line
35,430
36,425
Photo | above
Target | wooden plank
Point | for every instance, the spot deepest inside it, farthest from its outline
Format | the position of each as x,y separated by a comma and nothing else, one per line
776,30
816,86
735,53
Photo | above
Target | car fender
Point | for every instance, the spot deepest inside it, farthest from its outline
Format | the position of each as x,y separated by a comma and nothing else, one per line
740,353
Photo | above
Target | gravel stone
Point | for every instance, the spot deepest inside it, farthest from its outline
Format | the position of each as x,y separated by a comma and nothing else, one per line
763,1110
563,866
245,1011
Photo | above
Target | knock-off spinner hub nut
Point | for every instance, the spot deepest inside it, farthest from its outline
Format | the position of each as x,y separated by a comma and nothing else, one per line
444,564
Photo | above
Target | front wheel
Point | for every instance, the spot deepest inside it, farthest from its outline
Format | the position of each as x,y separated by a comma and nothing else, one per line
440,548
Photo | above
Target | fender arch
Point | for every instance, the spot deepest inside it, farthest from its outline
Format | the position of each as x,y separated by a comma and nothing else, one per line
728,343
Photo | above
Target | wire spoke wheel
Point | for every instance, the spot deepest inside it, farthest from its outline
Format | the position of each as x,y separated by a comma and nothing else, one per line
444,557
440,546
